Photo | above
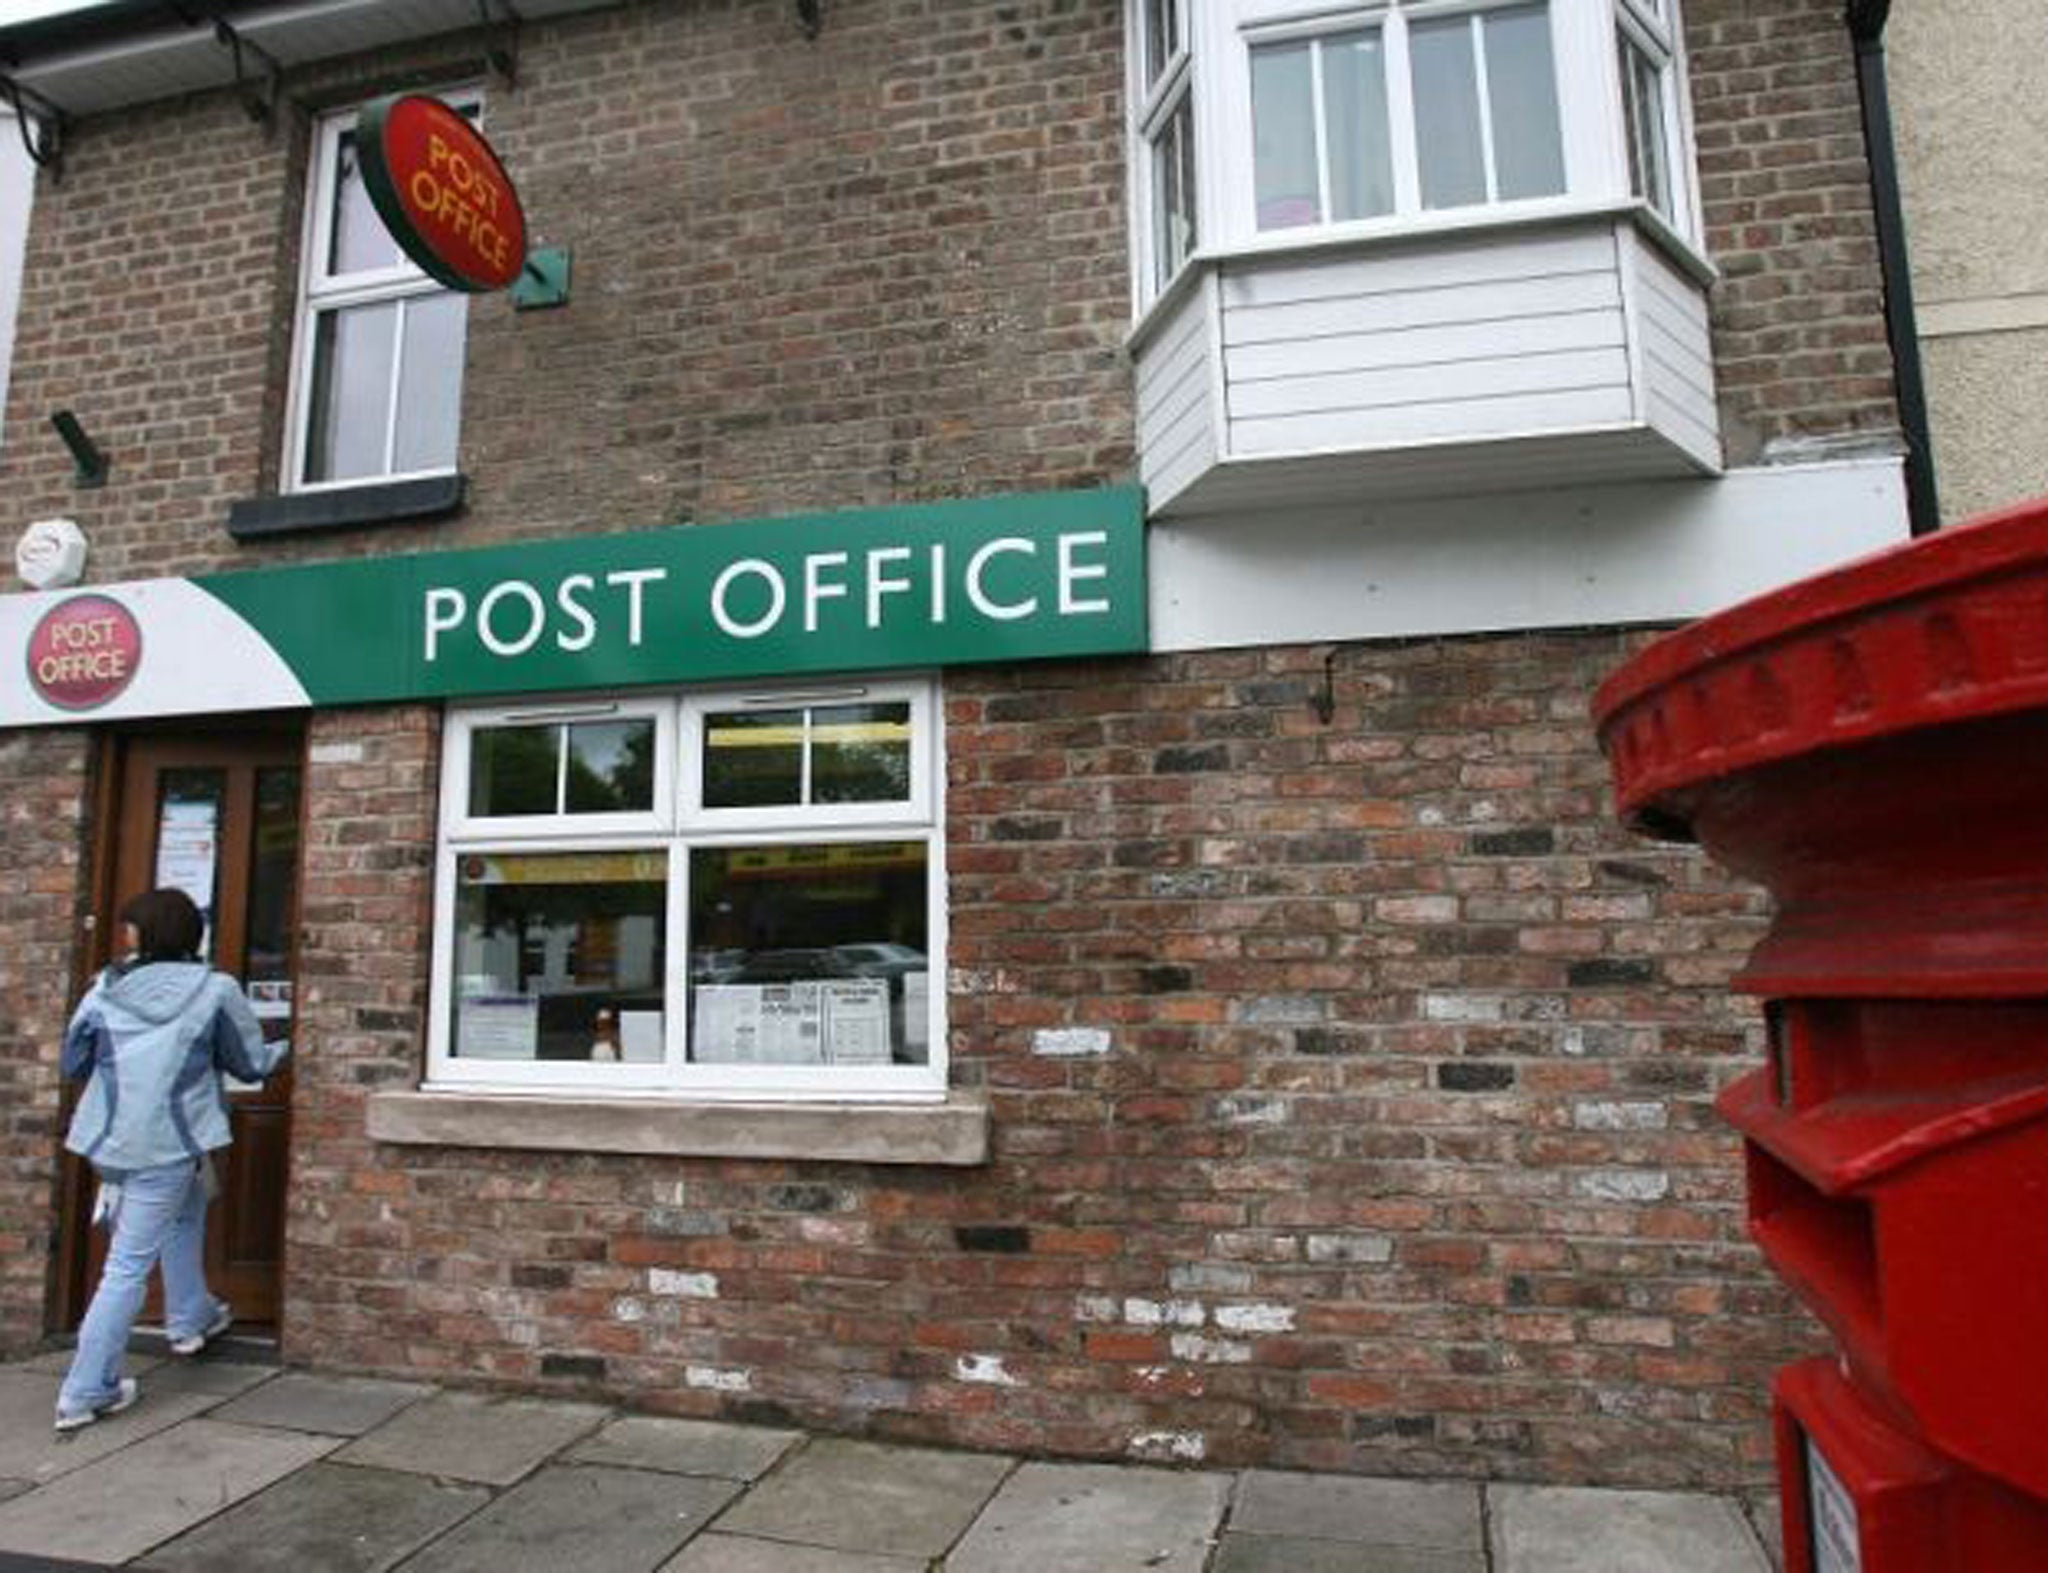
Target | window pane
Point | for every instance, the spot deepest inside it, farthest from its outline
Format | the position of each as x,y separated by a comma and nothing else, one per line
430,383
558,956
1355,126
814,954
359,239
753,759
1162,36
1284,175
860,754
514,769
273,880
611,767
188,822
1447,134
350,399
1642,97
1173,193
1521,84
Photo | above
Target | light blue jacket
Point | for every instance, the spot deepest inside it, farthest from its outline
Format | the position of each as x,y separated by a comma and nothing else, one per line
154,1040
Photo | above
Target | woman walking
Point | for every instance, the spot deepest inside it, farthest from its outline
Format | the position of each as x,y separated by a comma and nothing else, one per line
153,1036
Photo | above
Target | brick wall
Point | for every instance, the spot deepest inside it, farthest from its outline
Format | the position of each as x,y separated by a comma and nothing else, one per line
43,845
365,914
1798,312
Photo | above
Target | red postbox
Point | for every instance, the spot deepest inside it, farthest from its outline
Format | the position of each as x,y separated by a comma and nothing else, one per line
1872,746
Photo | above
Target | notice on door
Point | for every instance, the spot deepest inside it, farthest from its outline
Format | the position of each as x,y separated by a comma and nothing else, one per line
188,849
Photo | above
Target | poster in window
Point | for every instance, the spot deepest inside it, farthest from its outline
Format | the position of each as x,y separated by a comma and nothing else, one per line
917,1015
856,1019
187,849
640,1037
759,1024
498,1027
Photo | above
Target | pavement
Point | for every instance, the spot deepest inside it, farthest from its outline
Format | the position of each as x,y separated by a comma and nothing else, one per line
230,1465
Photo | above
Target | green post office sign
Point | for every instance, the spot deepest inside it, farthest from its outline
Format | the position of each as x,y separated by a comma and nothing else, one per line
1002,579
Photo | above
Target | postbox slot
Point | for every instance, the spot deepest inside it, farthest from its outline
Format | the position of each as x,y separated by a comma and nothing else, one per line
1844,1049
1826,1246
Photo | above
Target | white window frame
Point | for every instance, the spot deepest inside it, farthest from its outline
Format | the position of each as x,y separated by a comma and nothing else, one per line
677,826
1162,95
322,291
1649,26
1220,35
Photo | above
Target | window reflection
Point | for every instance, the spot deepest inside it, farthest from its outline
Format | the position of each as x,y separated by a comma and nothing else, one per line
559,956
603,767
810,954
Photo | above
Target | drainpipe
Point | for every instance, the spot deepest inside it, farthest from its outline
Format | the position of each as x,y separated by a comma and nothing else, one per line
1866,20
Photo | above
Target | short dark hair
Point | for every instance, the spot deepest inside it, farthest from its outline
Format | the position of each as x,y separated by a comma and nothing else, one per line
167,925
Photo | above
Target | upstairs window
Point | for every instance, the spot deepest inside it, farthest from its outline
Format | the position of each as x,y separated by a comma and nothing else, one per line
1412,114
1266,121
1649,101
377,389
1166,130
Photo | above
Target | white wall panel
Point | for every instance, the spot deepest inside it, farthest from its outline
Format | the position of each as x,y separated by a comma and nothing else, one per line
1644,553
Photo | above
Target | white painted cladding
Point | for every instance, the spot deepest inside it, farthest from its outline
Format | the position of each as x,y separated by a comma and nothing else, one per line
1178,378
1323,375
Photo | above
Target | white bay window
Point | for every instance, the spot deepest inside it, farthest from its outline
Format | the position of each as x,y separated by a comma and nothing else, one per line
1419,245
1263,120
728,895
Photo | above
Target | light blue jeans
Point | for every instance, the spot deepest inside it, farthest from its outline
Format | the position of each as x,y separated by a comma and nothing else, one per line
161,1215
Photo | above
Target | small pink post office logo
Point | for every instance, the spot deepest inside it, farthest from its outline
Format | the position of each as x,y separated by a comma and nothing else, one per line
84,652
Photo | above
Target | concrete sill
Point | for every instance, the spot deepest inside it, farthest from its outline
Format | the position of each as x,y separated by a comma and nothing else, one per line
954,1132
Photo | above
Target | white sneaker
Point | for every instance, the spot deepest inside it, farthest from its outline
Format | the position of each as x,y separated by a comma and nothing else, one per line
124,1396
193,1343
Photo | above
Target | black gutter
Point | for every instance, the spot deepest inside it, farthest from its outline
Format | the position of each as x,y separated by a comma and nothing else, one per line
1866,20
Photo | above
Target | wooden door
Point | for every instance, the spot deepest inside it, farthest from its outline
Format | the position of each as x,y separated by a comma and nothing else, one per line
217,816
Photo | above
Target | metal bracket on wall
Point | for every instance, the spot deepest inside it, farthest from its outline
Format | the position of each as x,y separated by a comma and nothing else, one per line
501,39
86,455
810,16
44,141
544,281
257,93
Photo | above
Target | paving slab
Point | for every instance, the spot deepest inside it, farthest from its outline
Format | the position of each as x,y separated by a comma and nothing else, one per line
1095,1516
687,1447
55,1362
1291,1554
487,1438
10,1562
332,1405
864,1496
326,1517
146,1494
580,1516
31,1451
715,1553
1567,1529
1438,1515
213,1378
14,1488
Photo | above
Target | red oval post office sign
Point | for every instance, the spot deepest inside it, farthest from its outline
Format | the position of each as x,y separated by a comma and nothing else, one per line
83,652
442,192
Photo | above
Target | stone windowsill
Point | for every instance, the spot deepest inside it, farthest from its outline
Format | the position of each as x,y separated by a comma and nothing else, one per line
953,1132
